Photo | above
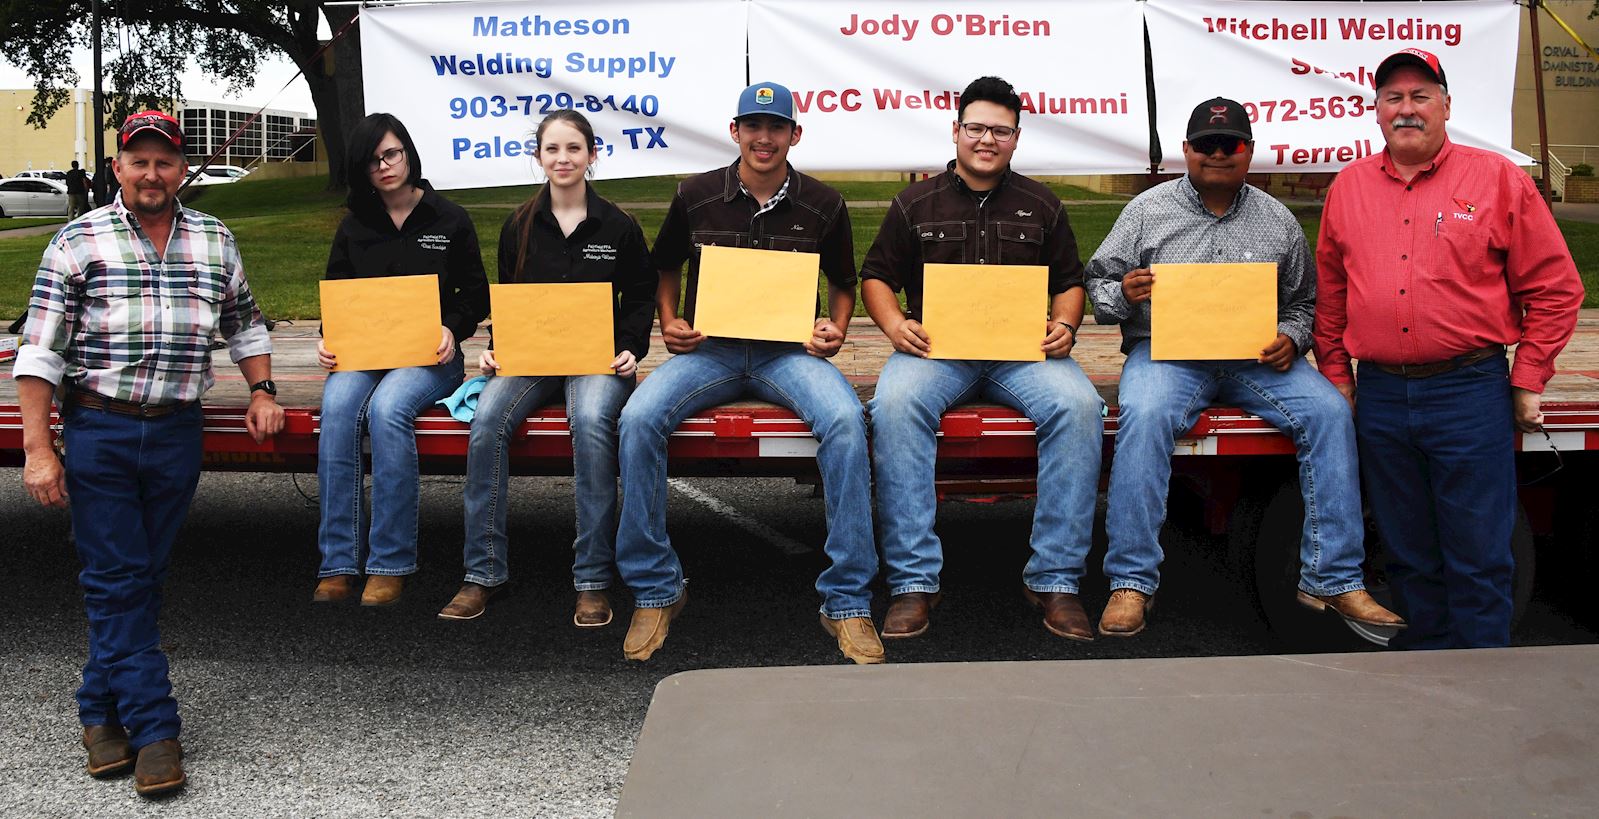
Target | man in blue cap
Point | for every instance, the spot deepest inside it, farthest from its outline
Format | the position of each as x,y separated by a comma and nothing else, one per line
759,202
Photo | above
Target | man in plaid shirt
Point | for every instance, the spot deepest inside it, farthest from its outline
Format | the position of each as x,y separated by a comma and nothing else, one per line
124,307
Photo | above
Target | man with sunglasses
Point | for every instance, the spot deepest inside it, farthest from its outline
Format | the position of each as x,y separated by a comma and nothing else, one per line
124,306
980,212
1433,258
1212,215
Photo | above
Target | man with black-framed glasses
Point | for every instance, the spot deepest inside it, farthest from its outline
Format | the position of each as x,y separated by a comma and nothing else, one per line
981,212
1212,215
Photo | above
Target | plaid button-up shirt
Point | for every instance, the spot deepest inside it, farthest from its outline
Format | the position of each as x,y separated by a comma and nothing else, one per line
112,316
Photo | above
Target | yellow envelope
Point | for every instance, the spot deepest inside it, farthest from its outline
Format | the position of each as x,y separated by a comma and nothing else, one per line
553,329
768,295
382,323
987,312
1208,312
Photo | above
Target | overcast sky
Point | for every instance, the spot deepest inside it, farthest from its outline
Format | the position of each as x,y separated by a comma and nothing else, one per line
270,76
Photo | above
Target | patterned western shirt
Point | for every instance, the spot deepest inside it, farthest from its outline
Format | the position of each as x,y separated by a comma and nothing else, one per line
1169,224
113,317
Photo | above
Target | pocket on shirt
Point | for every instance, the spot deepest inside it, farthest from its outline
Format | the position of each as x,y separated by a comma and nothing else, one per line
1463,247
942,242
208,286
793,244
109,291
199,313
719,238
1019,243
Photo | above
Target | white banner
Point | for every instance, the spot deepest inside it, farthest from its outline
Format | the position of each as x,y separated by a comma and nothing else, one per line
659,80
1304,71
877,82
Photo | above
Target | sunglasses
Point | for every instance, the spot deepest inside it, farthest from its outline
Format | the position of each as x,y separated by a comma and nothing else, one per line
160,123
1208,145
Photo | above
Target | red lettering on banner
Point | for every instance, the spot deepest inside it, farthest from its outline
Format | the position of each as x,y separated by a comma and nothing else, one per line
1322,154
1359,76
1410,29
827,100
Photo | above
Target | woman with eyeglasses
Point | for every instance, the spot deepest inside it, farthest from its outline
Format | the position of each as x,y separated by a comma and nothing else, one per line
566,233
397,226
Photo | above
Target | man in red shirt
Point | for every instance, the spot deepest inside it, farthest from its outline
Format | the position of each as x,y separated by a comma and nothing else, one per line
1433,257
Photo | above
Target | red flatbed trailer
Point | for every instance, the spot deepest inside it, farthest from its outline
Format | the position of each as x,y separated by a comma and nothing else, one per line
983,449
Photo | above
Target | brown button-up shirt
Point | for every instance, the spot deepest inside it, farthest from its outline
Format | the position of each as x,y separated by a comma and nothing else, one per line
713,209
941,221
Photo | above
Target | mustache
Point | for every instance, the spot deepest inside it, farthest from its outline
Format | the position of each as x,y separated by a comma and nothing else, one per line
1409,122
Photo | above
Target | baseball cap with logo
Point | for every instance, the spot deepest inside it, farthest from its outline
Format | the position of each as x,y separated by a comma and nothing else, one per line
766,98
1221,117
1425,60
154,122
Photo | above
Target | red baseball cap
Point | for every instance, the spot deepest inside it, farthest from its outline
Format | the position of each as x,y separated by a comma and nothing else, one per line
1425,60
155,121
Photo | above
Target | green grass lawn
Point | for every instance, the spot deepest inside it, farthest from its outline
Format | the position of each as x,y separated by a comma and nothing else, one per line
284,227
15,222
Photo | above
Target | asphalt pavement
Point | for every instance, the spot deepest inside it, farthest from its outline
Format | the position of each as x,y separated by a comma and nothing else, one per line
292,709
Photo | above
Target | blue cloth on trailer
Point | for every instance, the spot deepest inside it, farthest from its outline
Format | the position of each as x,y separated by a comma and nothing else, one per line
462,403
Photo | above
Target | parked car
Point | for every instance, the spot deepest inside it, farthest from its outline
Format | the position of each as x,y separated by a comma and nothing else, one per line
217,174
32,196
59,176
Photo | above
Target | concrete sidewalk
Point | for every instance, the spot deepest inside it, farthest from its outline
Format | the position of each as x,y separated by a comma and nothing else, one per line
1577,212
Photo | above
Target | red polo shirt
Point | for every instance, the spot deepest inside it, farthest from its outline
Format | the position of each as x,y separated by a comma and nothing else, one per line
1463,256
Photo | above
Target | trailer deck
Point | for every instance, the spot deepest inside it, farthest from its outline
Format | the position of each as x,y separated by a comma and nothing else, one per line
761,438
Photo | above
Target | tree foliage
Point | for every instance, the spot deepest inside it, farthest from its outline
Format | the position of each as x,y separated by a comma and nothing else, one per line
147,44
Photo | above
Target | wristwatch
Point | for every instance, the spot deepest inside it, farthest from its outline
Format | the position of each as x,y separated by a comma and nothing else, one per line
267,386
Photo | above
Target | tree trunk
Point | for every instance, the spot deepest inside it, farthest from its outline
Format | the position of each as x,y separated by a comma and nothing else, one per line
348,98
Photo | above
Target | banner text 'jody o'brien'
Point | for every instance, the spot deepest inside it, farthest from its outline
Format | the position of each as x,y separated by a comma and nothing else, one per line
887,91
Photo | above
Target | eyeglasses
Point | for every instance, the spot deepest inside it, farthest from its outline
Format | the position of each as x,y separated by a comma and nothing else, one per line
1002,133
1208,145
388,158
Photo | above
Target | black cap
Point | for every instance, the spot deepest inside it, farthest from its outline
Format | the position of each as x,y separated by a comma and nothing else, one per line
1219,116
1425,60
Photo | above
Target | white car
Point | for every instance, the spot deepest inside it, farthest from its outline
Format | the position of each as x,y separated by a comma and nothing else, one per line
32,196
59,176
217,174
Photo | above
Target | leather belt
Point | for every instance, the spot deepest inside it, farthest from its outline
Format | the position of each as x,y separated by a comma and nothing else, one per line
1441,367
93,400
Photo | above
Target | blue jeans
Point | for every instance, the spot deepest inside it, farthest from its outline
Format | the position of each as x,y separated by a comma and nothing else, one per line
1438,456
593,403
131,481
385,404
1160,400
723,370
912,395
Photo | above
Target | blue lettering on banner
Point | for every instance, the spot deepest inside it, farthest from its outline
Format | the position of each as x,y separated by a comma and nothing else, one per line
654,64
461,147
525,105
489,65
538,26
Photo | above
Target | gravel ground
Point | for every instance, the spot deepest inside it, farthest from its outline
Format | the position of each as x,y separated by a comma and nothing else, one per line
299,710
